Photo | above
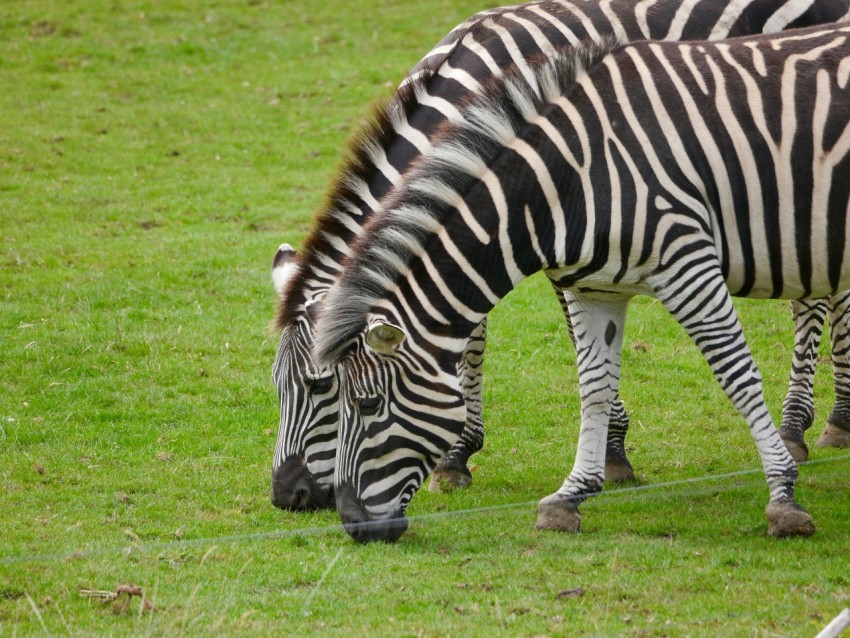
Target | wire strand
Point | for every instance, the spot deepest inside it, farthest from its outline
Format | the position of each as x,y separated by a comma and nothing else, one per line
324,529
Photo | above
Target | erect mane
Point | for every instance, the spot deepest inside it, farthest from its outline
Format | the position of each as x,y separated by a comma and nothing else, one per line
413,211
342,199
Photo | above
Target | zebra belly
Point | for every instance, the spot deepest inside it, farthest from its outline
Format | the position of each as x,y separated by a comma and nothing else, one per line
605,282
815,269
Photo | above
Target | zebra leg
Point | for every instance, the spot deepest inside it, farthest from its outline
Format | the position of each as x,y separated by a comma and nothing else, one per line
798,410
618,469
598,328
452,471
837,432
701,303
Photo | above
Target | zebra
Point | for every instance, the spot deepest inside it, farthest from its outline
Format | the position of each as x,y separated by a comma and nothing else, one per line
690,172
456,69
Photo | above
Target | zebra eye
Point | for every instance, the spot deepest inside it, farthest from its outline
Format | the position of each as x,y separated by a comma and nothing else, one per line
369,405
321,385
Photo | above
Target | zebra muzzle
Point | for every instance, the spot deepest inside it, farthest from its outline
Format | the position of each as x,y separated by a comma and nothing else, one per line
359,525
295,489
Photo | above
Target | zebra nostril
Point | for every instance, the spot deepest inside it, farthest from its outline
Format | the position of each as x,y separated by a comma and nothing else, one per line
302,496
294,488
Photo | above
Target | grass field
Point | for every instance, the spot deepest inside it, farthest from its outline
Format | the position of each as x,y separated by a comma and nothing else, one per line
152,157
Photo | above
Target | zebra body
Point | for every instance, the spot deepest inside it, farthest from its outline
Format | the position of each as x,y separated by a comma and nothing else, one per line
684,171
456,70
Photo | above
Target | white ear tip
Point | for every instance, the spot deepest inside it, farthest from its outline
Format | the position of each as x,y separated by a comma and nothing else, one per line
284,255
284,266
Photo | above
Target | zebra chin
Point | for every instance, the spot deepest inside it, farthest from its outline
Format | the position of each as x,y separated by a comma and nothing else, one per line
295,489
358,525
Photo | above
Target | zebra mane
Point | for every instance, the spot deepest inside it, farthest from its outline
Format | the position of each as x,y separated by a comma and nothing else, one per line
342,202
413,211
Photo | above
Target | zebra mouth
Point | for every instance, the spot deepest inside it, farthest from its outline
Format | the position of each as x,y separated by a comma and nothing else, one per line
296,490
358,525
387,530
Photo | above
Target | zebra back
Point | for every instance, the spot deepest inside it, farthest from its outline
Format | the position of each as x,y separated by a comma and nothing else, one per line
484,47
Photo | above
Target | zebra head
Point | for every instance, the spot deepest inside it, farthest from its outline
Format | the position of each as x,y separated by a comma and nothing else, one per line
303,465
401,410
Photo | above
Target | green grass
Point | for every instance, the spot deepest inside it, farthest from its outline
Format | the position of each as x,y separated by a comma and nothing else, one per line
152,157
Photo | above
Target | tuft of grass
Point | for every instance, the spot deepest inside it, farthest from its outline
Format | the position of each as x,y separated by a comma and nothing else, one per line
153,156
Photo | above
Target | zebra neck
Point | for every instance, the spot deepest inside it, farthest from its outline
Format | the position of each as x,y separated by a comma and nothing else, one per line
509,224
478,214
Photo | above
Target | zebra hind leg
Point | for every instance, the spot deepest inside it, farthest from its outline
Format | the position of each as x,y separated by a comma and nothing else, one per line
798,409
702,305
837,432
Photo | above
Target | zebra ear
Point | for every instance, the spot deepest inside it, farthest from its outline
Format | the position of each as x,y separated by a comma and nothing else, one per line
284,267
384,338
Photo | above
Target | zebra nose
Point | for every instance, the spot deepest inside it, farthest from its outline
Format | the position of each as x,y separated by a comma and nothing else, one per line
355,519
295,489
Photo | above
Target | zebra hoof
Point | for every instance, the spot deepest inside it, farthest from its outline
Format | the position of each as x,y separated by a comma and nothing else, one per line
798,449
619,471
445,480
833,436
786,518
559,513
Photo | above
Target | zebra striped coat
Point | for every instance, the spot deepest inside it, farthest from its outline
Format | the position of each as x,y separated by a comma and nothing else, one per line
456,69
684,171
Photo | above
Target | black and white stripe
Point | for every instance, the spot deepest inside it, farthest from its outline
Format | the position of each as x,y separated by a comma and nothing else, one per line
684,171
458,67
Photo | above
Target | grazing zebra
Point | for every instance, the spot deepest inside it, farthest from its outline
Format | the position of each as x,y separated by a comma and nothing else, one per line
684,171
480,48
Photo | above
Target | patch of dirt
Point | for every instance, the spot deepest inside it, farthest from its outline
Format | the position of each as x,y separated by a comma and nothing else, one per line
11,594
578,592
43,28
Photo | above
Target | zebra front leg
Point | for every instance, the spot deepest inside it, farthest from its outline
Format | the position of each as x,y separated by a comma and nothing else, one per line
798,409
598,328
452,471
618,469
837,432
701,303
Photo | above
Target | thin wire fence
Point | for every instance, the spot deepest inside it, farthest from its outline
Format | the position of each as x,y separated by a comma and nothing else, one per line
654,490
